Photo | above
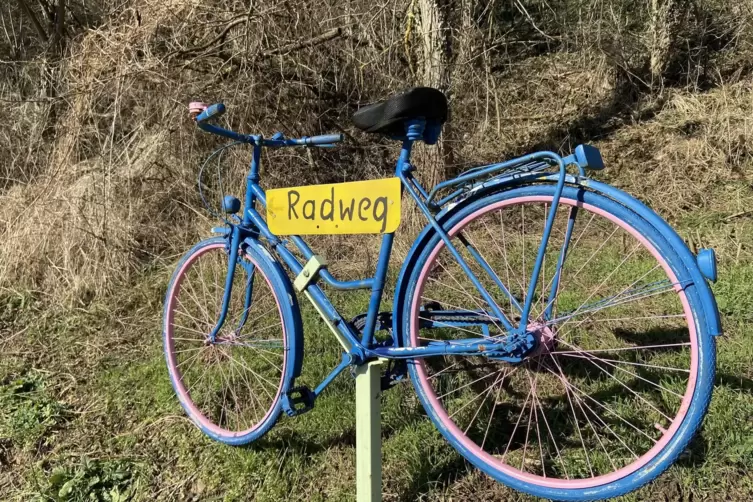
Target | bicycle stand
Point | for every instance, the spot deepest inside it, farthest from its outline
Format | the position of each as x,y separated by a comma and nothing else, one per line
369,432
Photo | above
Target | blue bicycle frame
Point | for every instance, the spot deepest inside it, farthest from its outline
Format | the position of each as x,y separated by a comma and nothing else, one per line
510,346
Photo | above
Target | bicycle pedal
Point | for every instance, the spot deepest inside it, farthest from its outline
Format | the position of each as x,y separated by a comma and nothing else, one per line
298,400
396,373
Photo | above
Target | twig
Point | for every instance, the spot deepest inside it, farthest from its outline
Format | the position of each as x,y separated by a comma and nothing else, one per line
737,215
33,18
47,10
523,11
286,49
218,38
319,39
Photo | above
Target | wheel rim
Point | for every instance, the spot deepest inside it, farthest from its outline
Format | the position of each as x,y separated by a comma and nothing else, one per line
601,445
233,386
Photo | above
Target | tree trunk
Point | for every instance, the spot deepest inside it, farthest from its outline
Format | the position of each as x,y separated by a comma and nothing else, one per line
659,41
433,43
435,72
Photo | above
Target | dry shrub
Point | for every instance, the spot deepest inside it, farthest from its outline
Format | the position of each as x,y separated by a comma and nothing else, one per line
696,143
98,201
108,186
518,110
99,162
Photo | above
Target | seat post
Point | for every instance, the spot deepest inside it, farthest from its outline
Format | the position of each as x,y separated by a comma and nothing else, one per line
414,130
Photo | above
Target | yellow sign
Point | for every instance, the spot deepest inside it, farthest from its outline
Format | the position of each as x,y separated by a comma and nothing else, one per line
360,207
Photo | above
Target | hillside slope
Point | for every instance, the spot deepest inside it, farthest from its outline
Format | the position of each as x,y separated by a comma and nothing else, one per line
98,199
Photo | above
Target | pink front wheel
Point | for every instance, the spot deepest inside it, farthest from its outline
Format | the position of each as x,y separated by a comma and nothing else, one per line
231,387
622,373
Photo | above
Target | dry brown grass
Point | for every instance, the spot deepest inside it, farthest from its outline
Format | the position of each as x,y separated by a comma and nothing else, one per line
697,143
99,162
98,198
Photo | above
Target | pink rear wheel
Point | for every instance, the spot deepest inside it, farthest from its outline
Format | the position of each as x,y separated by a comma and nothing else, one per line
231,387
617,365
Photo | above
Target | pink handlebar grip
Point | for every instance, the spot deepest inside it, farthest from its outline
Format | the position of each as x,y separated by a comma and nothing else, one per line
196,107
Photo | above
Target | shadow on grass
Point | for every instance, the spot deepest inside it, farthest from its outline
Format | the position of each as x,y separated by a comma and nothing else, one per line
654,336
301,445
696,452
734,382
307,445
426,475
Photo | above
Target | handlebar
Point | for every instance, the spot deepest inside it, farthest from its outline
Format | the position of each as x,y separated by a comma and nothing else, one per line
324,139
203,113
212,111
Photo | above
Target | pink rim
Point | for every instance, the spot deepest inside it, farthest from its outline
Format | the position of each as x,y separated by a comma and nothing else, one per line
493,461
180,389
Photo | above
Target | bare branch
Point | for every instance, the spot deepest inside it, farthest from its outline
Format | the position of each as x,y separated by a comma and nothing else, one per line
319,39
60,21
33,18
218,38
48,11
286,49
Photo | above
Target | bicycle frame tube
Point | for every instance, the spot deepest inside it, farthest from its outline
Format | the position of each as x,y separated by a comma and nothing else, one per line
560,262
357,350
411,184
542,246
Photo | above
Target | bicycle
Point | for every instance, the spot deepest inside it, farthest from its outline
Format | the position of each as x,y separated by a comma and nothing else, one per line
559,333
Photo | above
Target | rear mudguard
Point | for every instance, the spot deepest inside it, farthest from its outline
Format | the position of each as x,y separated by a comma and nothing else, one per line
707,300
709,315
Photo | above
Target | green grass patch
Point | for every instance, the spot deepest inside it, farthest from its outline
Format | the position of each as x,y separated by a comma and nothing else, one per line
29,416
92,480
87,412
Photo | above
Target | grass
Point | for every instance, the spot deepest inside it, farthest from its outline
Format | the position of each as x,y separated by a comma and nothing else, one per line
98,198
107,426
88,413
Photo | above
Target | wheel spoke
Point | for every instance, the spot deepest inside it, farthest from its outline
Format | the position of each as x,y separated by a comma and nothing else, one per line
470,424
576,422
466,385
621,349
620,361
612,302
551,435
478,304
234,381
609,368
475,398
593,360
530,416
517,423
496,401
574,388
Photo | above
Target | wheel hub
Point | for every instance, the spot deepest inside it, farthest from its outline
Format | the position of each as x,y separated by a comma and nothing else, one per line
545,339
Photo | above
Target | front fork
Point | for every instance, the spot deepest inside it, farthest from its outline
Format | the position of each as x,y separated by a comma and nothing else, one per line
233,241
